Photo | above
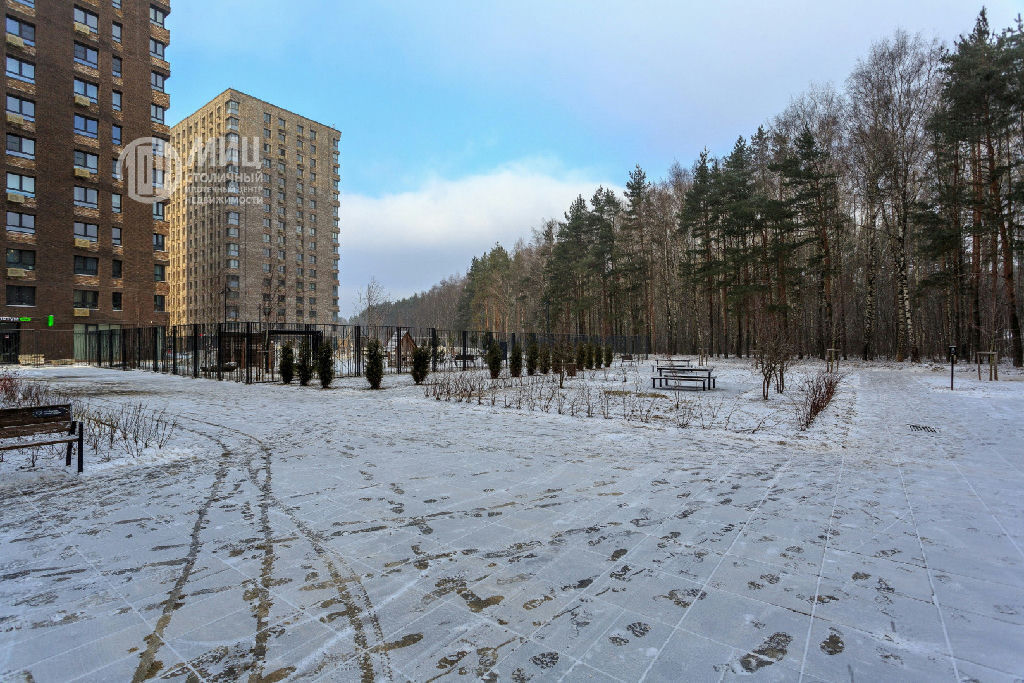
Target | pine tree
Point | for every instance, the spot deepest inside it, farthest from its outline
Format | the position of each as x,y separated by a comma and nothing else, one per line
545,359
287,366
608,356
374,363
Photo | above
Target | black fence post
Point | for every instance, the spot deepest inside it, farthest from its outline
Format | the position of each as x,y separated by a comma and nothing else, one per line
220,351
398,350
465,348
358,349
195,350
433,349
156,349
248,353
174,350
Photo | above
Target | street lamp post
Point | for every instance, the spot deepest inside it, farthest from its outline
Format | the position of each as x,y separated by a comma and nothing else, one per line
952,362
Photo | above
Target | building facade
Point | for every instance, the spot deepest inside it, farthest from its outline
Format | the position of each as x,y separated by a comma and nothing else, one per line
83,79
254,224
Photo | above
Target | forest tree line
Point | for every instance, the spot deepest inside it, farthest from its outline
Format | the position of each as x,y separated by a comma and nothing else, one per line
882,219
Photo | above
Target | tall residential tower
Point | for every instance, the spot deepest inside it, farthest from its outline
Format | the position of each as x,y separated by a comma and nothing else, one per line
254,225
83,79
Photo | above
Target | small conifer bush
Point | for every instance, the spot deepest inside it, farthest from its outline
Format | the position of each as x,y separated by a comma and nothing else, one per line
581,356
325,365
532,358
287,366
304,365
515,361
608,356
374,363
420,364
493,359
545,359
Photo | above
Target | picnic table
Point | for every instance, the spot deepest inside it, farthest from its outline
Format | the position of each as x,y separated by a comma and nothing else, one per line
675,378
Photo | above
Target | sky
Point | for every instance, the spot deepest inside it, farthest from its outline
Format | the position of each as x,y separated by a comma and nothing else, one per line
469,123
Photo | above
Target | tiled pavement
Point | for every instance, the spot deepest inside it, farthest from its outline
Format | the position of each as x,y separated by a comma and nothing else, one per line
325,543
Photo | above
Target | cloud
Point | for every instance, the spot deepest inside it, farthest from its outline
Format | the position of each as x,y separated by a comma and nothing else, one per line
410,240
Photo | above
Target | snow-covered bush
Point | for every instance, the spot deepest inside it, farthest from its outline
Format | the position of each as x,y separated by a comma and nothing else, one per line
304,364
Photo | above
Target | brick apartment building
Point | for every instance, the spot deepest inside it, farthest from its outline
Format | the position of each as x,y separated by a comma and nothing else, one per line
254,227
83,79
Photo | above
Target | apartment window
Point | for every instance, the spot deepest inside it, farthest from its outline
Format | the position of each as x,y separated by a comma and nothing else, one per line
157,16
87,265
87,197
88,19
266,237
232,218
26,109
115,32
86,55
21,296
158,211
266,267
281,123
157,113
312,134
116,4
233,124
115,166
232,249
232,263
159,242
86,298
18,146
115,66
115,236
159,272
86,160
156,48
266,132
116,267
21,70
115,203
232,107
115,134
232,232
21,222
115,100
24,30
266,117
86,89
86,126
156,81
281,138
116,299
21,258
233,281
86,231
21,184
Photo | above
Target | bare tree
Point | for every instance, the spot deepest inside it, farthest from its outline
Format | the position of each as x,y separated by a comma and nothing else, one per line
371,303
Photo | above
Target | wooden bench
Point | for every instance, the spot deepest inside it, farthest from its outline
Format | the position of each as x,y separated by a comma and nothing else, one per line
666,375
56,419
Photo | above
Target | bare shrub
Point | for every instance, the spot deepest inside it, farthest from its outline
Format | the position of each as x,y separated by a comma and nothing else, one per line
818,392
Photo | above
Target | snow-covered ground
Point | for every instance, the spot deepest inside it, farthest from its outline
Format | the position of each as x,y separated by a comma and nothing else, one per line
345,534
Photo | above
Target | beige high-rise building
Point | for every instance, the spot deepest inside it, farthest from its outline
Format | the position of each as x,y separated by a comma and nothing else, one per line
254,224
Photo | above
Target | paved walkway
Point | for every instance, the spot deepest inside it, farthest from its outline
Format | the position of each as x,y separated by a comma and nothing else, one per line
377,536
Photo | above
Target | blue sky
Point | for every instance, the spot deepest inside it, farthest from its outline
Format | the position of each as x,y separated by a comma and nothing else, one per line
464,123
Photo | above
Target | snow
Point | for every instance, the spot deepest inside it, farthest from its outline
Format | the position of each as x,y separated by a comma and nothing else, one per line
290,532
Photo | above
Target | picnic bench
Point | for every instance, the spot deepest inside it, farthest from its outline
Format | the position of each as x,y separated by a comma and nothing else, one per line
676,378
627,358
39,420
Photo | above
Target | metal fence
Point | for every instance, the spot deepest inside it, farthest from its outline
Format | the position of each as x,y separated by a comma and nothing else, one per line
250,352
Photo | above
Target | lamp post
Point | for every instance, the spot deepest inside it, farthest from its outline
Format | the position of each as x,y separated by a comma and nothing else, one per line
952,362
